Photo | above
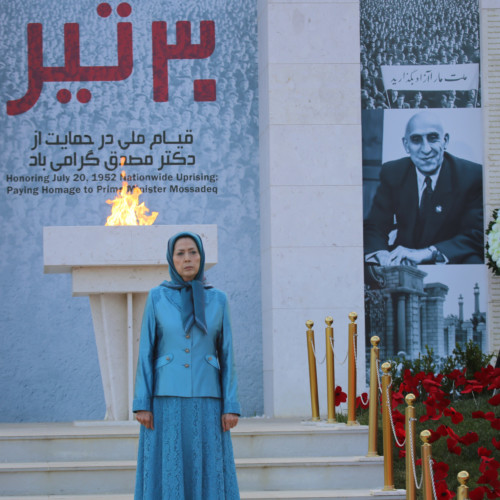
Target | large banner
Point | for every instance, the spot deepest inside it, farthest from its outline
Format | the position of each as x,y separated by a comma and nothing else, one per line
425,277
159,93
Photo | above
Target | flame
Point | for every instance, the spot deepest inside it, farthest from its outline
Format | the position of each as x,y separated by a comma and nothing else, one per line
126,210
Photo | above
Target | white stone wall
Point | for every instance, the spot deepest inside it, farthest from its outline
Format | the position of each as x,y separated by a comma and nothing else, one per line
311,191
490,99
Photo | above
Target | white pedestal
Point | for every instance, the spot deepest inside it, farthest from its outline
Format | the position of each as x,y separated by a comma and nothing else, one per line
116,267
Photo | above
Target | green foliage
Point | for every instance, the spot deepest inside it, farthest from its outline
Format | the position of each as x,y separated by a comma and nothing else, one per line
468,356
424,363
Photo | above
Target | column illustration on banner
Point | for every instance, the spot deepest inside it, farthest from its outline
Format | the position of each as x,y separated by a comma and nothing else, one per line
425,277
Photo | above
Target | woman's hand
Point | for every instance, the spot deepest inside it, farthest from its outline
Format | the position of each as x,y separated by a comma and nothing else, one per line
229,420
145,418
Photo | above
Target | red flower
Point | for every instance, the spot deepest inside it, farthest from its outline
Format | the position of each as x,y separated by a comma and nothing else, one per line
488,476
452,433
397,398
411,382
397,416
361,399
453,446
483,452
434,435
458,376
400,431
473,386
487,375
431,405
444,402
488,463
456,417
490,416
431,385
495,400
493,495
495,443
424,418
442,430
495,484
469,438
402,453
442,491
477,493
340,396
440,470
495,424
495,384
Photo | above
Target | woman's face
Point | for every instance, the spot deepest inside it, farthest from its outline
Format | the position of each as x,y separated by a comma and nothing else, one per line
186,258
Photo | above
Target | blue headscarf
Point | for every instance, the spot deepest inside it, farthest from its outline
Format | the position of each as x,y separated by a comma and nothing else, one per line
192,292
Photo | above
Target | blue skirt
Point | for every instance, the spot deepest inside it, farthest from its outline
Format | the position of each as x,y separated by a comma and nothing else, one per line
186,456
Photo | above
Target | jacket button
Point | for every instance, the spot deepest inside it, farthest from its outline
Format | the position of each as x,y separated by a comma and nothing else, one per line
209,358
187,350
188,336
168,358
186,365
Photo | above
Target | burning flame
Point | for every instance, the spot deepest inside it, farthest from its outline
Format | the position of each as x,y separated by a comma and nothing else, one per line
126,210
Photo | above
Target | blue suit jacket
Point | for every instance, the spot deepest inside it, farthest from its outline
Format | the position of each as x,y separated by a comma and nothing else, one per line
175,363
456,228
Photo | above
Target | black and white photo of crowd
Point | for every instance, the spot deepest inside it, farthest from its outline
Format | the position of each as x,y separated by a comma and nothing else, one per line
417,33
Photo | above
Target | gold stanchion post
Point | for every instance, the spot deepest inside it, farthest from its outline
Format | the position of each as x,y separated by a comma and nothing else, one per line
463,489
386,428
351,385
411,487
426,464
372,411
330,370
313,379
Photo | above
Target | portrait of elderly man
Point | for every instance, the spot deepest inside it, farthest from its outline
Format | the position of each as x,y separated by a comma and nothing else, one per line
428,206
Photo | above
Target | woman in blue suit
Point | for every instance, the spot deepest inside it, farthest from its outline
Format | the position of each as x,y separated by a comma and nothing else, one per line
186,394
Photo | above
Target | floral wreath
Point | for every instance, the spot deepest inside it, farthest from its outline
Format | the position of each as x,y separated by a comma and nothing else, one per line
493,243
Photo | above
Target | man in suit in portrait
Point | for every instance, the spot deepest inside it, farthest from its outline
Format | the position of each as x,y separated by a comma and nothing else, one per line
428,207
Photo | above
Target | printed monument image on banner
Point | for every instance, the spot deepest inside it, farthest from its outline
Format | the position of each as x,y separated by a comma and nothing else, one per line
412,308
422,176
101,100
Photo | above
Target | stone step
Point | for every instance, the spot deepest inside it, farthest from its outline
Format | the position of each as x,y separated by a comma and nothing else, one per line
118,476
275,458
335,494
67,478
250,495
252,438
126,496
302,473
72,441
